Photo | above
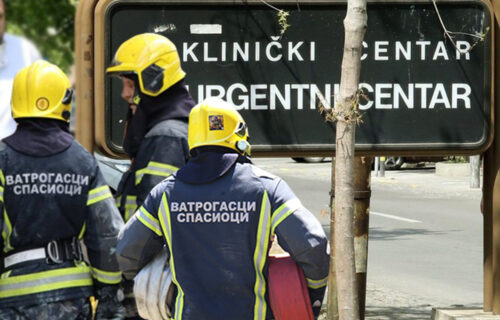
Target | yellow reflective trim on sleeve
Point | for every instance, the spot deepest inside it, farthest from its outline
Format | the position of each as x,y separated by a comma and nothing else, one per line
164,216
2,178
98,194
260,257
108,277
78,276
82,232
6,232
1,194
155,169
284,211
148,220
130,206
315,284
118,201
98,190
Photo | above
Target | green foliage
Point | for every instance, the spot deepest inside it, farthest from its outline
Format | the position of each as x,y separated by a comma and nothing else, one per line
457,159
48,23
283,21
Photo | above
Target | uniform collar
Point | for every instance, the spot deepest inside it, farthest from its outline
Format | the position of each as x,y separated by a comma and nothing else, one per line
40,137
209,164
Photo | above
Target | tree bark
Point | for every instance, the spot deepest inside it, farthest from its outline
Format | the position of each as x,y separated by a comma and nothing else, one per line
346,116
332,304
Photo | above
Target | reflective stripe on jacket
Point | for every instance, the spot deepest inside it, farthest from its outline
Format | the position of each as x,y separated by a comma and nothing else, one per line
57,197
162,152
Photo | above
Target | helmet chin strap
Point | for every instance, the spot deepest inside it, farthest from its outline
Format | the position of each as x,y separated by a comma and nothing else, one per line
136,99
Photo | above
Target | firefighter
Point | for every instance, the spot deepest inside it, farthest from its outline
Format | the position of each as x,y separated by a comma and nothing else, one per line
217,215
53,198
156,130
155,136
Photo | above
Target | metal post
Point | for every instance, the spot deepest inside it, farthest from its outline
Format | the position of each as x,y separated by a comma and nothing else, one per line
491,225
489,174
362,193
84,59
382,166
475,165
376,165
496,244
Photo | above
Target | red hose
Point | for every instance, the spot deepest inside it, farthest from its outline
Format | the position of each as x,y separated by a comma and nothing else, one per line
288,293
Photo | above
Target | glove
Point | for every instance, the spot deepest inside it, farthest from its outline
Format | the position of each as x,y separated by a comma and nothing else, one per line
109,305
316,296
129,301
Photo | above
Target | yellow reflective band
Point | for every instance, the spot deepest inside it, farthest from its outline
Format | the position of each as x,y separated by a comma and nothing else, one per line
129,213
6,232
164,216
108,277
82,232
260,256
131,201
1,194
2,178
148,220
315,284
78,276
98,194
118,201
284,211
98,190
130,207
155,169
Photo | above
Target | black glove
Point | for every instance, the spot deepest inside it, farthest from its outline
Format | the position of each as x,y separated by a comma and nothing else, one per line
109,305
316,296
129,301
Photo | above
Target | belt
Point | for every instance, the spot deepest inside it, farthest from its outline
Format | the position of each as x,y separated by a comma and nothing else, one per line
55,252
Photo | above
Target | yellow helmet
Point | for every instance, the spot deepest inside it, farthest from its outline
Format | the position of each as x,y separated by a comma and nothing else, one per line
153,58
41,90
215,122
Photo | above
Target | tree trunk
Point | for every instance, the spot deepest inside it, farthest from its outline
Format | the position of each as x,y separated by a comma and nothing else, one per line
346,117
332,303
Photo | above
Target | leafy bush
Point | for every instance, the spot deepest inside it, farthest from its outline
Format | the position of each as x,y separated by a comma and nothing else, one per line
49,24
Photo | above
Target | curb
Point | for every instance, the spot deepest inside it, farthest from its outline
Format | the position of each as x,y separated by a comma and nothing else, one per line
453,169
462,314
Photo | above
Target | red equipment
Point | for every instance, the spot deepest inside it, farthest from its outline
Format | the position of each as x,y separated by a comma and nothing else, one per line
288,293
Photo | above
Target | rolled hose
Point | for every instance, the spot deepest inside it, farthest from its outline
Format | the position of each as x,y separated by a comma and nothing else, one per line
288,294
153,289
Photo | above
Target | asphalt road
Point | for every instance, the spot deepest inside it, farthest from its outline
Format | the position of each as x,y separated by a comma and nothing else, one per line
425,247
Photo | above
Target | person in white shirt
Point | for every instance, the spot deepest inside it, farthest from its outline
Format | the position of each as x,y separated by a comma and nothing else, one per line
15,53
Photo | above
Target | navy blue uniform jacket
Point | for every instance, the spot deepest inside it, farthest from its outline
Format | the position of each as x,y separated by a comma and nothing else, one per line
218,236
